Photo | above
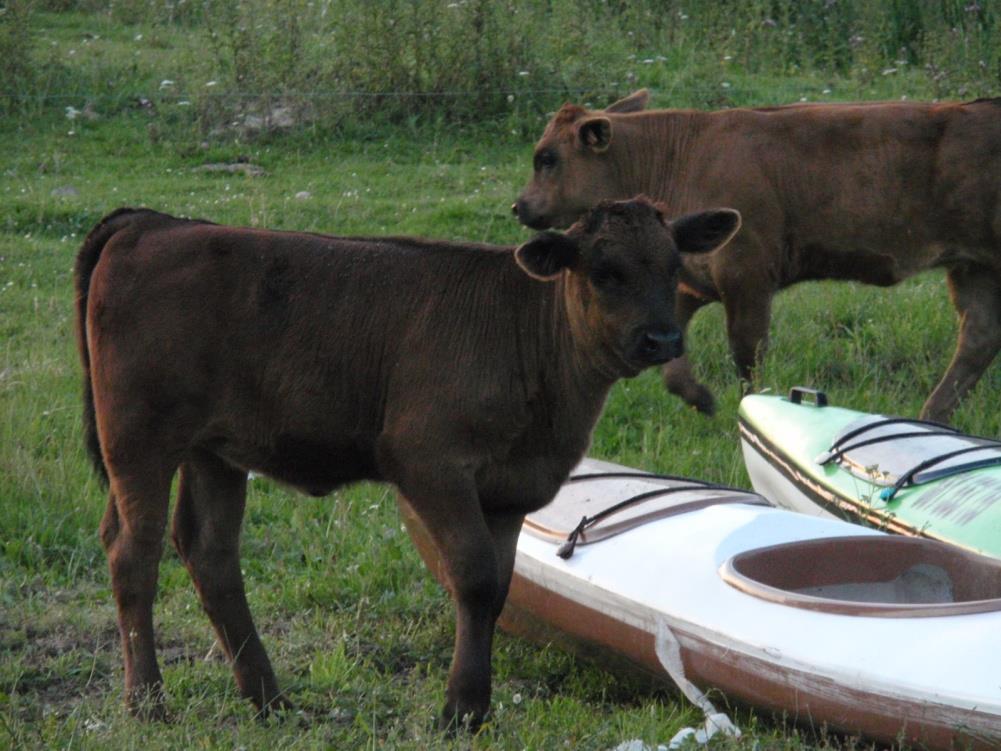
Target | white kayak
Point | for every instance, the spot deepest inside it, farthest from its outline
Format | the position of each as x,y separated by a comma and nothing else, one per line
822,621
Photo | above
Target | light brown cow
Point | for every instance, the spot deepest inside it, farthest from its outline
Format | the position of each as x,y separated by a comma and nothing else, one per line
870,192
468,376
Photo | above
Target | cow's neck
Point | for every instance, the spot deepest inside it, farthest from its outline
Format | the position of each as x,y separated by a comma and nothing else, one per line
660,158
576,378
656,156
563,397
590,366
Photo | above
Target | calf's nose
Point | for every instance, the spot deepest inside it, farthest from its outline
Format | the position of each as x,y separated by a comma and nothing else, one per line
660,346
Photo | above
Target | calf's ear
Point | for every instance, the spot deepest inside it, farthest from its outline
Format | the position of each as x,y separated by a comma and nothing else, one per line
706,230
546,255
595,133
635,102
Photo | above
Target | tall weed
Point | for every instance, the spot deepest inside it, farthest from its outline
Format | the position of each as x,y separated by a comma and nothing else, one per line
16,42
400,59
266,64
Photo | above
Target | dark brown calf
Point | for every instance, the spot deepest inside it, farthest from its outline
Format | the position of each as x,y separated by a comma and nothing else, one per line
469,376
871,192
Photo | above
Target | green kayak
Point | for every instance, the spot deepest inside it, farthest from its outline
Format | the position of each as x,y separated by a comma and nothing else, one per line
902,475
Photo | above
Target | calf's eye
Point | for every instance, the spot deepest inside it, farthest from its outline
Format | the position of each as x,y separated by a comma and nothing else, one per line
608,276
545,160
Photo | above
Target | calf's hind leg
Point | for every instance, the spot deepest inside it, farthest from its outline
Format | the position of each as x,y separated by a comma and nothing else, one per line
976,294
132,534
206,532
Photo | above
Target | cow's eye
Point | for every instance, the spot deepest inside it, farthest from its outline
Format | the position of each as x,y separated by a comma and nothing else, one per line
545,160
608,276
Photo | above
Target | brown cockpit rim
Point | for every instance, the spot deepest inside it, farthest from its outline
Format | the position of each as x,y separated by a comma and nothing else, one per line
869,575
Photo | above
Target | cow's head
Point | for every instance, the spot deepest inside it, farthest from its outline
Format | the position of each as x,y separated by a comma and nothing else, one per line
619,264
573,165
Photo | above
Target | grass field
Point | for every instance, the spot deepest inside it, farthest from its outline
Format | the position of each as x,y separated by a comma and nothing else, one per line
359,633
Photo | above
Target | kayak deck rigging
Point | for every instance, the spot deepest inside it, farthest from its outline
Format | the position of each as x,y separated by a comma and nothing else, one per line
896,452
566,520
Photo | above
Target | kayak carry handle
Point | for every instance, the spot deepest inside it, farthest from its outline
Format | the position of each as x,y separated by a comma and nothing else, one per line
796,394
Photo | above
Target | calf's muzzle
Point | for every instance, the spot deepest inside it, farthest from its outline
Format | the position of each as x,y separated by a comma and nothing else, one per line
655,346
526,216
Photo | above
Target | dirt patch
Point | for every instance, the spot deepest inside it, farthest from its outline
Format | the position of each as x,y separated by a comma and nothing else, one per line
60,639
61,646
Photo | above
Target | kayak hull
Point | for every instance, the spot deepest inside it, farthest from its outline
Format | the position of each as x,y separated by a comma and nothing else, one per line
796,695
654,597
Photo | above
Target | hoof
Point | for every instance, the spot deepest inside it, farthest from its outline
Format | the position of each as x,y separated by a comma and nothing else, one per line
681,383
279,708
703,402
746,387
699,398
452,723
148,704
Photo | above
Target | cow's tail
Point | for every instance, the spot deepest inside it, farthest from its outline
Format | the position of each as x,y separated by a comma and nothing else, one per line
86,262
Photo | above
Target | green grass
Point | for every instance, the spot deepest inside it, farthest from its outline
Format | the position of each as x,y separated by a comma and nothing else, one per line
359,633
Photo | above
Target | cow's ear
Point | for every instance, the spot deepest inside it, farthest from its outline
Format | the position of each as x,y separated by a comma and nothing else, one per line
706,230
595,133
635,102
546,255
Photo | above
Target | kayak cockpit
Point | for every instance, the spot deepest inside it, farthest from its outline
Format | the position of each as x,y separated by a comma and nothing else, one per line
870,575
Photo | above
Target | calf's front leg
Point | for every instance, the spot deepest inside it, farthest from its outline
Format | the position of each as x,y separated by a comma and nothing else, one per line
748,306
504,528
447,505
